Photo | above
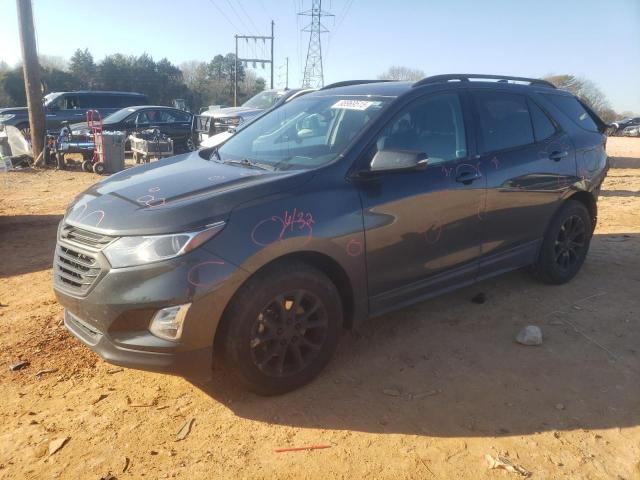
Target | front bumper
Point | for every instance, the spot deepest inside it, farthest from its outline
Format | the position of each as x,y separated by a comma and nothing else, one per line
112,317
192,364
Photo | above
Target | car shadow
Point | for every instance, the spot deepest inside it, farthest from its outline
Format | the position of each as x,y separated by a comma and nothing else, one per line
624,162
450,367
27,243
619,193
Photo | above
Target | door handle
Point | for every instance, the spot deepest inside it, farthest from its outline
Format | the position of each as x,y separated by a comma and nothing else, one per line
556,155
466,177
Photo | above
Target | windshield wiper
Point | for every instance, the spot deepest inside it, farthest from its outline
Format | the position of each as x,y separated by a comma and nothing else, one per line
245,162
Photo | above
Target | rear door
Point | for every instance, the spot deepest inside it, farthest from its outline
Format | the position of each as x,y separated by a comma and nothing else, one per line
422,228
530,163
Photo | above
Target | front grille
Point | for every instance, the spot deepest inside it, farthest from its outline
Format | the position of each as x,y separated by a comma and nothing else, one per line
76,266
85,238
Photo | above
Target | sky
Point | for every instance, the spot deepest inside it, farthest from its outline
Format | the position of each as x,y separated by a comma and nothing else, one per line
595,39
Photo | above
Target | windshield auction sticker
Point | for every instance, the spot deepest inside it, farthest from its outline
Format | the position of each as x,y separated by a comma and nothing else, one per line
353,104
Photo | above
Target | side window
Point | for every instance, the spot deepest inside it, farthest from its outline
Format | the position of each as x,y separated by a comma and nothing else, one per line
70,102
177,116
504,120
147,117
571,107
433,126
87,102
543,128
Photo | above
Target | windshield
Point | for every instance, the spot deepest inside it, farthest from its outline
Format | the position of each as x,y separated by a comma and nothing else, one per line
50,97
307,133
119,115
263,100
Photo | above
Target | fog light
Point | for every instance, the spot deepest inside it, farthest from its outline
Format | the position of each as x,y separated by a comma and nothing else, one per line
167,323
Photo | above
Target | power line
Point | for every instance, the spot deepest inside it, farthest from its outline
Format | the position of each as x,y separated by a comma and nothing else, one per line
224,15
247,15
239,17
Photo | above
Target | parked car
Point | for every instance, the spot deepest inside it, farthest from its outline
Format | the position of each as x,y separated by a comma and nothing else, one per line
631,131
204,125
174,123
619,126
352,201
72,107
222,119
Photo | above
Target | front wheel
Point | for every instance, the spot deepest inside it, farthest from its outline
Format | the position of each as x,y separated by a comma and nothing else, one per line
281,328
565,245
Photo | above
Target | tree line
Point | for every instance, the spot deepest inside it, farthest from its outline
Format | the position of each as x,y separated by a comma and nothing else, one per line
583,88
198,83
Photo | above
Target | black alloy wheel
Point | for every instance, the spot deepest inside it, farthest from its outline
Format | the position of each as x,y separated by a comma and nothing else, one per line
288,333
570,243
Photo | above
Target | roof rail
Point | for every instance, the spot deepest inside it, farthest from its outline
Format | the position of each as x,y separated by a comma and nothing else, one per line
346,83
464,77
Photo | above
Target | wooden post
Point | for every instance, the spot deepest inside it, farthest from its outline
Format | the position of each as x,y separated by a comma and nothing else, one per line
32,83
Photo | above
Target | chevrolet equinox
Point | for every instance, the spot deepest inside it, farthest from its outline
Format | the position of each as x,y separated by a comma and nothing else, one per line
357,199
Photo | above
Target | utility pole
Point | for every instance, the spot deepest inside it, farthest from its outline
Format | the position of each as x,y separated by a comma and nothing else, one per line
272,25
235,77
313,75
286,84
255,38
32,84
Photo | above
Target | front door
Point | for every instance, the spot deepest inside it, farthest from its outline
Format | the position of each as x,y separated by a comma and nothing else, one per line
422,227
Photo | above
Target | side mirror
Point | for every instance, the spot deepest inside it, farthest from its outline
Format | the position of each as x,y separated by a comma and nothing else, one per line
397,160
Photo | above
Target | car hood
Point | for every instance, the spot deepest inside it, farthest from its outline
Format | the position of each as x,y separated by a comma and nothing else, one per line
233,112
14,111
177,194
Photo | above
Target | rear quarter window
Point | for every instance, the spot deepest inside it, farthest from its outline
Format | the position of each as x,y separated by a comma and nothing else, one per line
571,107
543,128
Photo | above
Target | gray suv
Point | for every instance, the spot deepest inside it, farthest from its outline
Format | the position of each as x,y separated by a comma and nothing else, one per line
352,201
71,107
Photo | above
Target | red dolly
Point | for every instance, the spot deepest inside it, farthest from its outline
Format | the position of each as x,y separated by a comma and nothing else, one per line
96,164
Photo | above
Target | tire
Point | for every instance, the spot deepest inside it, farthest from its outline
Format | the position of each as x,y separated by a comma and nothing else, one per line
25,129
98,168
87,166
60,161
266,343
565,244
48,156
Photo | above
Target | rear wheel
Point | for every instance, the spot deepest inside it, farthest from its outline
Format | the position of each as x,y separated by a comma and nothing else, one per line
60,161
282,328
565,245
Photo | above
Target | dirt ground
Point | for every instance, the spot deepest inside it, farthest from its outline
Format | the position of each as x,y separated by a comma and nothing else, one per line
425,392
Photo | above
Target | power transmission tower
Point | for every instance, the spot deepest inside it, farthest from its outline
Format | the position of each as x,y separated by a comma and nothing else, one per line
313,76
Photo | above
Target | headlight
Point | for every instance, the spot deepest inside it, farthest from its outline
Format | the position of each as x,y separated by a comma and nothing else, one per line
230,121
132,251
6,116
